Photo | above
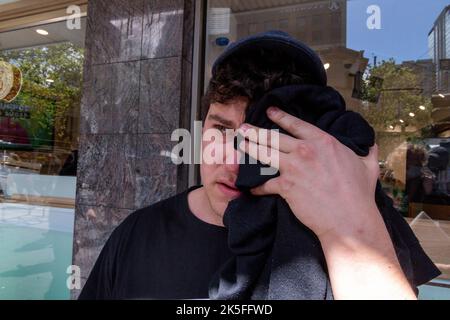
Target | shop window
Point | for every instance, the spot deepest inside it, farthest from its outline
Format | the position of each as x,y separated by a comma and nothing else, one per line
301,22
39,131
317,37
284,24
393,71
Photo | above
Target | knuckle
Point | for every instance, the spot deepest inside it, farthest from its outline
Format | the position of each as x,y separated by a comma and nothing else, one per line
290,124
292,165
286,184
304,150
329,140
293,127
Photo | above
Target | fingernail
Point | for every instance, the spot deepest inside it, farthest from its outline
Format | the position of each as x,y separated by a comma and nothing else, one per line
272,111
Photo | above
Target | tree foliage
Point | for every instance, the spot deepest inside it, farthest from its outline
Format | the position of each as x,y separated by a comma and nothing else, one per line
400,95
51,103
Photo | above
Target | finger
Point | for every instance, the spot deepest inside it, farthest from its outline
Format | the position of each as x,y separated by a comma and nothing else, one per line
295,126
270,138
271,186
263,154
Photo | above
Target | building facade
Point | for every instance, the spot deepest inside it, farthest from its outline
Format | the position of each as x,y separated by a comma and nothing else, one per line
104,84
439,49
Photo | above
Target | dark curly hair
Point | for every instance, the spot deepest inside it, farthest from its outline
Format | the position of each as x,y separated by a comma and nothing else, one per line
251,75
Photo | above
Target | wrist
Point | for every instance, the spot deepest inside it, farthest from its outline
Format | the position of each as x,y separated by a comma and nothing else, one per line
362,227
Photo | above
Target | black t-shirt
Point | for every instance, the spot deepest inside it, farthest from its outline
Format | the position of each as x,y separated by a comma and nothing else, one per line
159,252
164,251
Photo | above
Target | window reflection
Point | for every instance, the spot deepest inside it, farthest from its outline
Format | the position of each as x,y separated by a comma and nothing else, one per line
39,132
389,66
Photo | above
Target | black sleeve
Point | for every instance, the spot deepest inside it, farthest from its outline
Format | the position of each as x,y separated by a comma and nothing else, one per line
417,266
100,283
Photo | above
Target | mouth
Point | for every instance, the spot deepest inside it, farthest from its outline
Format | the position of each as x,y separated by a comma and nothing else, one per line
228,189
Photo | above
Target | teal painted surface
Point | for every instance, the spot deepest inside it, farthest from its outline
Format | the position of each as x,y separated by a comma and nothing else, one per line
33,263
434,293
427,292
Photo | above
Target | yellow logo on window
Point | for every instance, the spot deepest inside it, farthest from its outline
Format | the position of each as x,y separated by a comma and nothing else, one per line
10,81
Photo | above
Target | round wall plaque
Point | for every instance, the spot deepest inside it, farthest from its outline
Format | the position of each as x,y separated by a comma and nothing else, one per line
10,81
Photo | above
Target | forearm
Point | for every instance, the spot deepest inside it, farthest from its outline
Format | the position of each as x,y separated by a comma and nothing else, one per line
362,263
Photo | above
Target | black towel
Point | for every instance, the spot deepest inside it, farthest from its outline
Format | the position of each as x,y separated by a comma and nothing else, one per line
275,255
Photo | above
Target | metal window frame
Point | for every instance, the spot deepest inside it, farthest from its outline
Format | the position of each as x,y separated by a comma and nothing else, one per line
19,16
198,68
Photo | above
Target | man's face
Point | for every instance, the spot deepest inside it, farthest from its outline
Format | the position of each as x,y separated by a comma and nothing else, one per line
218,178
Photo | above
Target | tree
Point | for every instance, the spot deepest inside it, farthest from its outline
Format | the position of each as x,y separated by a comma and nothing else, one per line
401,95
52,77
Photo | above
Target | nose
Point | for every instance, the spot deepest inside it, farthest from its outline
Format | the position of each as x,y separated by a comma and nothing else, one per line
231,157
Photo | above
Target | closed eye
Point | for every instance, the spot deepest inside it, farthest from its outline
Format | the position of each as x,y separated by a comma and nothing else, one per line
221,128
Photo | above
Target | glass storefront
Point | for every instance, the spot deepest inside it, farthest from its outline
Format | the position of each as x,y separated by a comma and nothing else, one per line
41,69
389,59
392,67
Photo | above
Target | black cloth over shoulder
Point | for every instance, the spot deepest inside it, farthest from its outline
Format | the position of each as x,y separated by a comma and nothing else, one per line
274,255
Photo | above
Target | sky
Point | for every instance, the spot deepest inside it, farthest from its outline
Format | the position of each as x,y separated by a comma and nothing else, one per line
405,25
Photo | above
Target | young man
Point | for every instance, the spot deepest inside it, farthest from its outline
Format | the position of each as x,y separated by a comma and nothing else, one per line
173,248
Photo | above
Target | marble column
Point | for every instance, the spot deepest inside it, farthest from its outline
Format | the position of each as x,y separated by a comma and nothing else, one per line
136,91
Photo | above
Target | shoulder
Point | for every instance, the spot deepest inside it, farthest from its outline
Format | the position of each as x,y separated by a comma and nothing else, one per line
152,216
133,240
150,213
